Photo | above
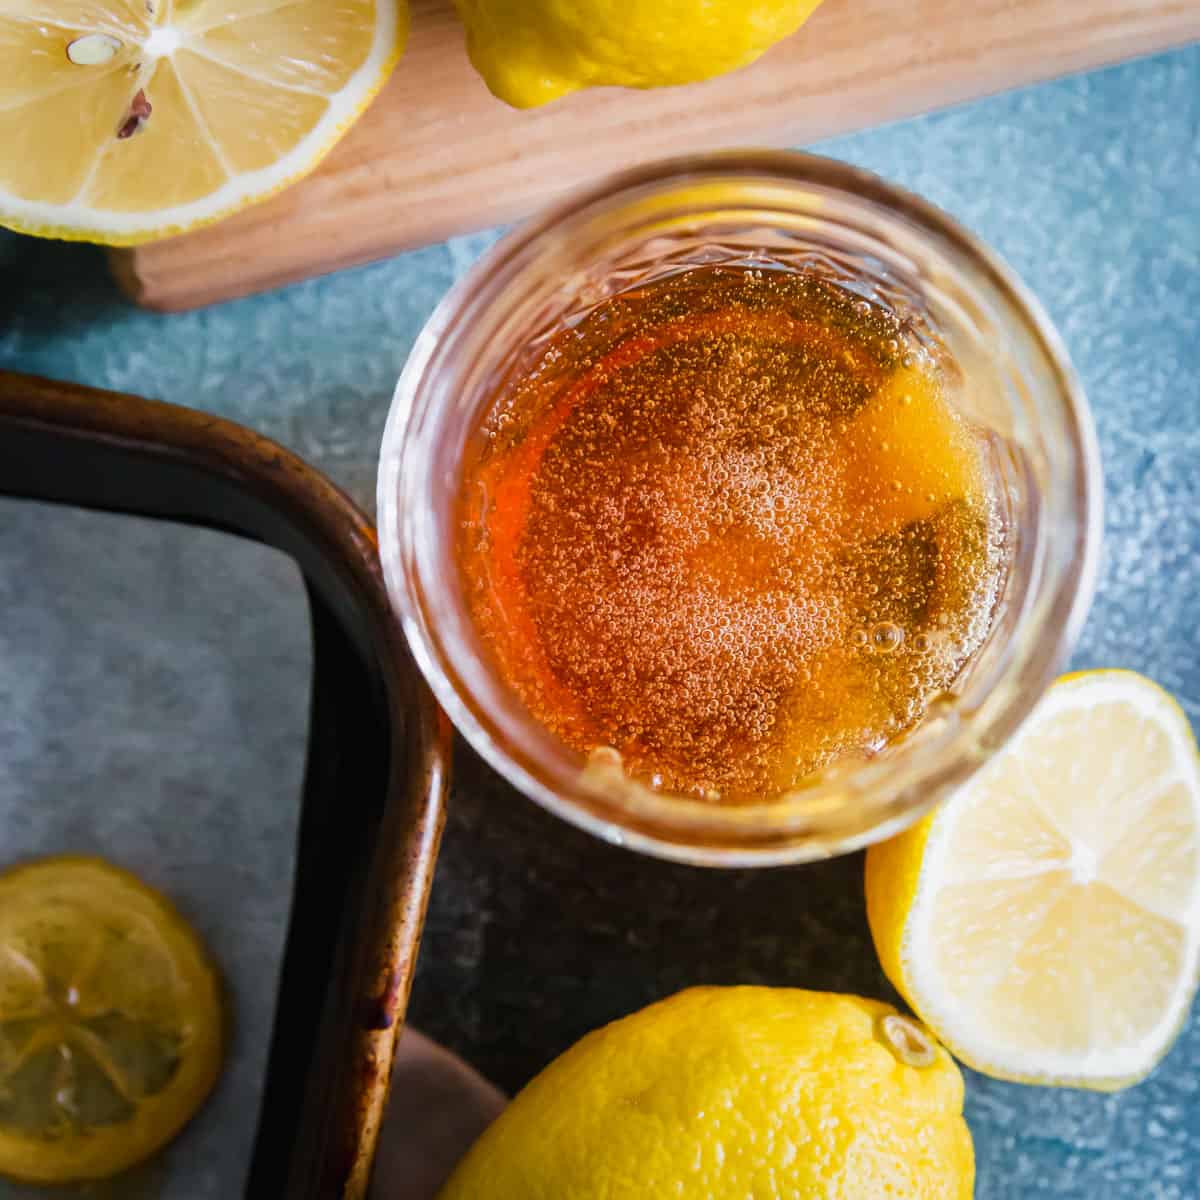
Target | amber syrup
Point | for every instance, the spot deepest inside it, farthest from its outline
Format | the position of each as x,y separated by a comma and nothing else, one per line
730,524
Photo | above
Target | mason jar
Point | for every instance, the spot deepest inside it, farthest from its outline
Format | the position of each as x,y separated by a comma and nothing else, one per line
793,211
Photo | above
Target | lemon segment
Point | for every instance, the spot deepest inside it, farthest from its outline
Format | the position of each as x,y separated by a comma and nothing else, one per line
908,454
724,1093
110,1021
1045,922
121,123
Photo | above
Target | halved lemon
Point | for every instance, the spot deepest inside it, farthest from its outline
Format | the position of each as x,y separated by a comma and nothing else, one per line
110,1021
1045,921
127,120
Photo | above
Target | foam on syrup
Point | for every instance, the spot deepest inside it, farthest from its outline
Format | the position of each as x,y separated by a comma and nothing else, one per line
730,526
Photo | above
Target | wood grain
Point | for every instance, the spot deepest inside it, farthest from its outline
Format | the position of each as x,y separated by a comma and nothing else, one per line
437,155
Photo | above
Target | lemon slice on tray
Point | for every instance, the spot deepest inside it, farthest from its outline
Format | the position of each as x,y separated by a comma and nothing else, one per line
1045,921
110,1021
127,120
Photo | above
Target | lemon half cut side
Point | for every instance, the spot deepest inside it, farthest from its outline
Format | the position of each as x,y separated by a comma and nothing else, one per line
1045,921
122,121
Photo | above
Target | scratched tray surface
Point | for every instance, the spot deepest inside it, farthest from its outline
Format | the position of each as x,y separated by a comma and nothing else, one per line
153,709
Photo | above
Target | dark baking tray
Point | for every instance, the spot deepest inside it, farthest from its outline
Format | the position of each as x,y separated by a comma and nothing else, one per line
378,749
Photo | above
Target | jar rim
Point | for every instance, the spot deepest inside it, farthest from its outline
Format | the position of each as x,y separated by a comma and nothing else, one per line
811,821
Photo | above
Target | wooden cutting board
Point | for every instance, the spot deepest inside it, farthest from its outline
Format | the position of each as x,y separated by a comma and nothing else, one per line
437,155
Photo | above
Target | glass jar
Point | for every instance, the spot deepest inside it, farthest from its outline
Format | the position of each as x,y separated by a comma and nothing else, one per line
750,207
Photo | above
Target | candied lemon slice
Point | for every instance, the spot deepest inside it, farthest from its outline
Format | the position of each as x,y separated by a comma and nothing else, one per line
110,1021
908,455
1045,921
127,120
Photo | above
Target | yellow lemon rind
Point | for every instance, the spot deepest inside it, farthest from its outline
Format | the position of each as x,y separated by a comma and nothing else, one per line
527,68
703,1091
45,220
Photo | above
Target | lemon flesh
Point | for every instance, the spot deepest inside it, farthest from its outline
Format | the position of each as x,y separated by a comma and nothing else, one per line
110,1021
530,52
724,1093
126,120
1045,922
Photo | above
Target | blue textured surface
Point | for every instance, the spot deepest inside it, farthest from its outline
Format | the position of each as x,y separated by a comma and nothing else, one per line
1091,188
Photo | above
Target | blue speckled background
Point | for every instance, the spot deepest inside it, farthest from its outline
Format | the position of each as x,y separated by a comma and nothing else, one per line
152,682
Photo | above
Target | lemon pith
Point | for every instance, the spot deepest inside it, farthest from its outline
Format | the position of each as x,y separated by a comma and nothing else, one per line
732,1092
110,1021
127,120
530,52
1045,922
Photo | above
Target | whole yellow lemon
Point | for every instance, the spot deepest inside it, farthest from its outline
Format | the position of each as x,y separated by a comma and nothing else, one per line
725,1093
533,51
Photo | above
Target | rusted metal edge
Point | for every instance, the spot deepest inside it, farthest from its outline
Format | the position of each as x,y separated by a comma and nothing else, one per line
266,492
